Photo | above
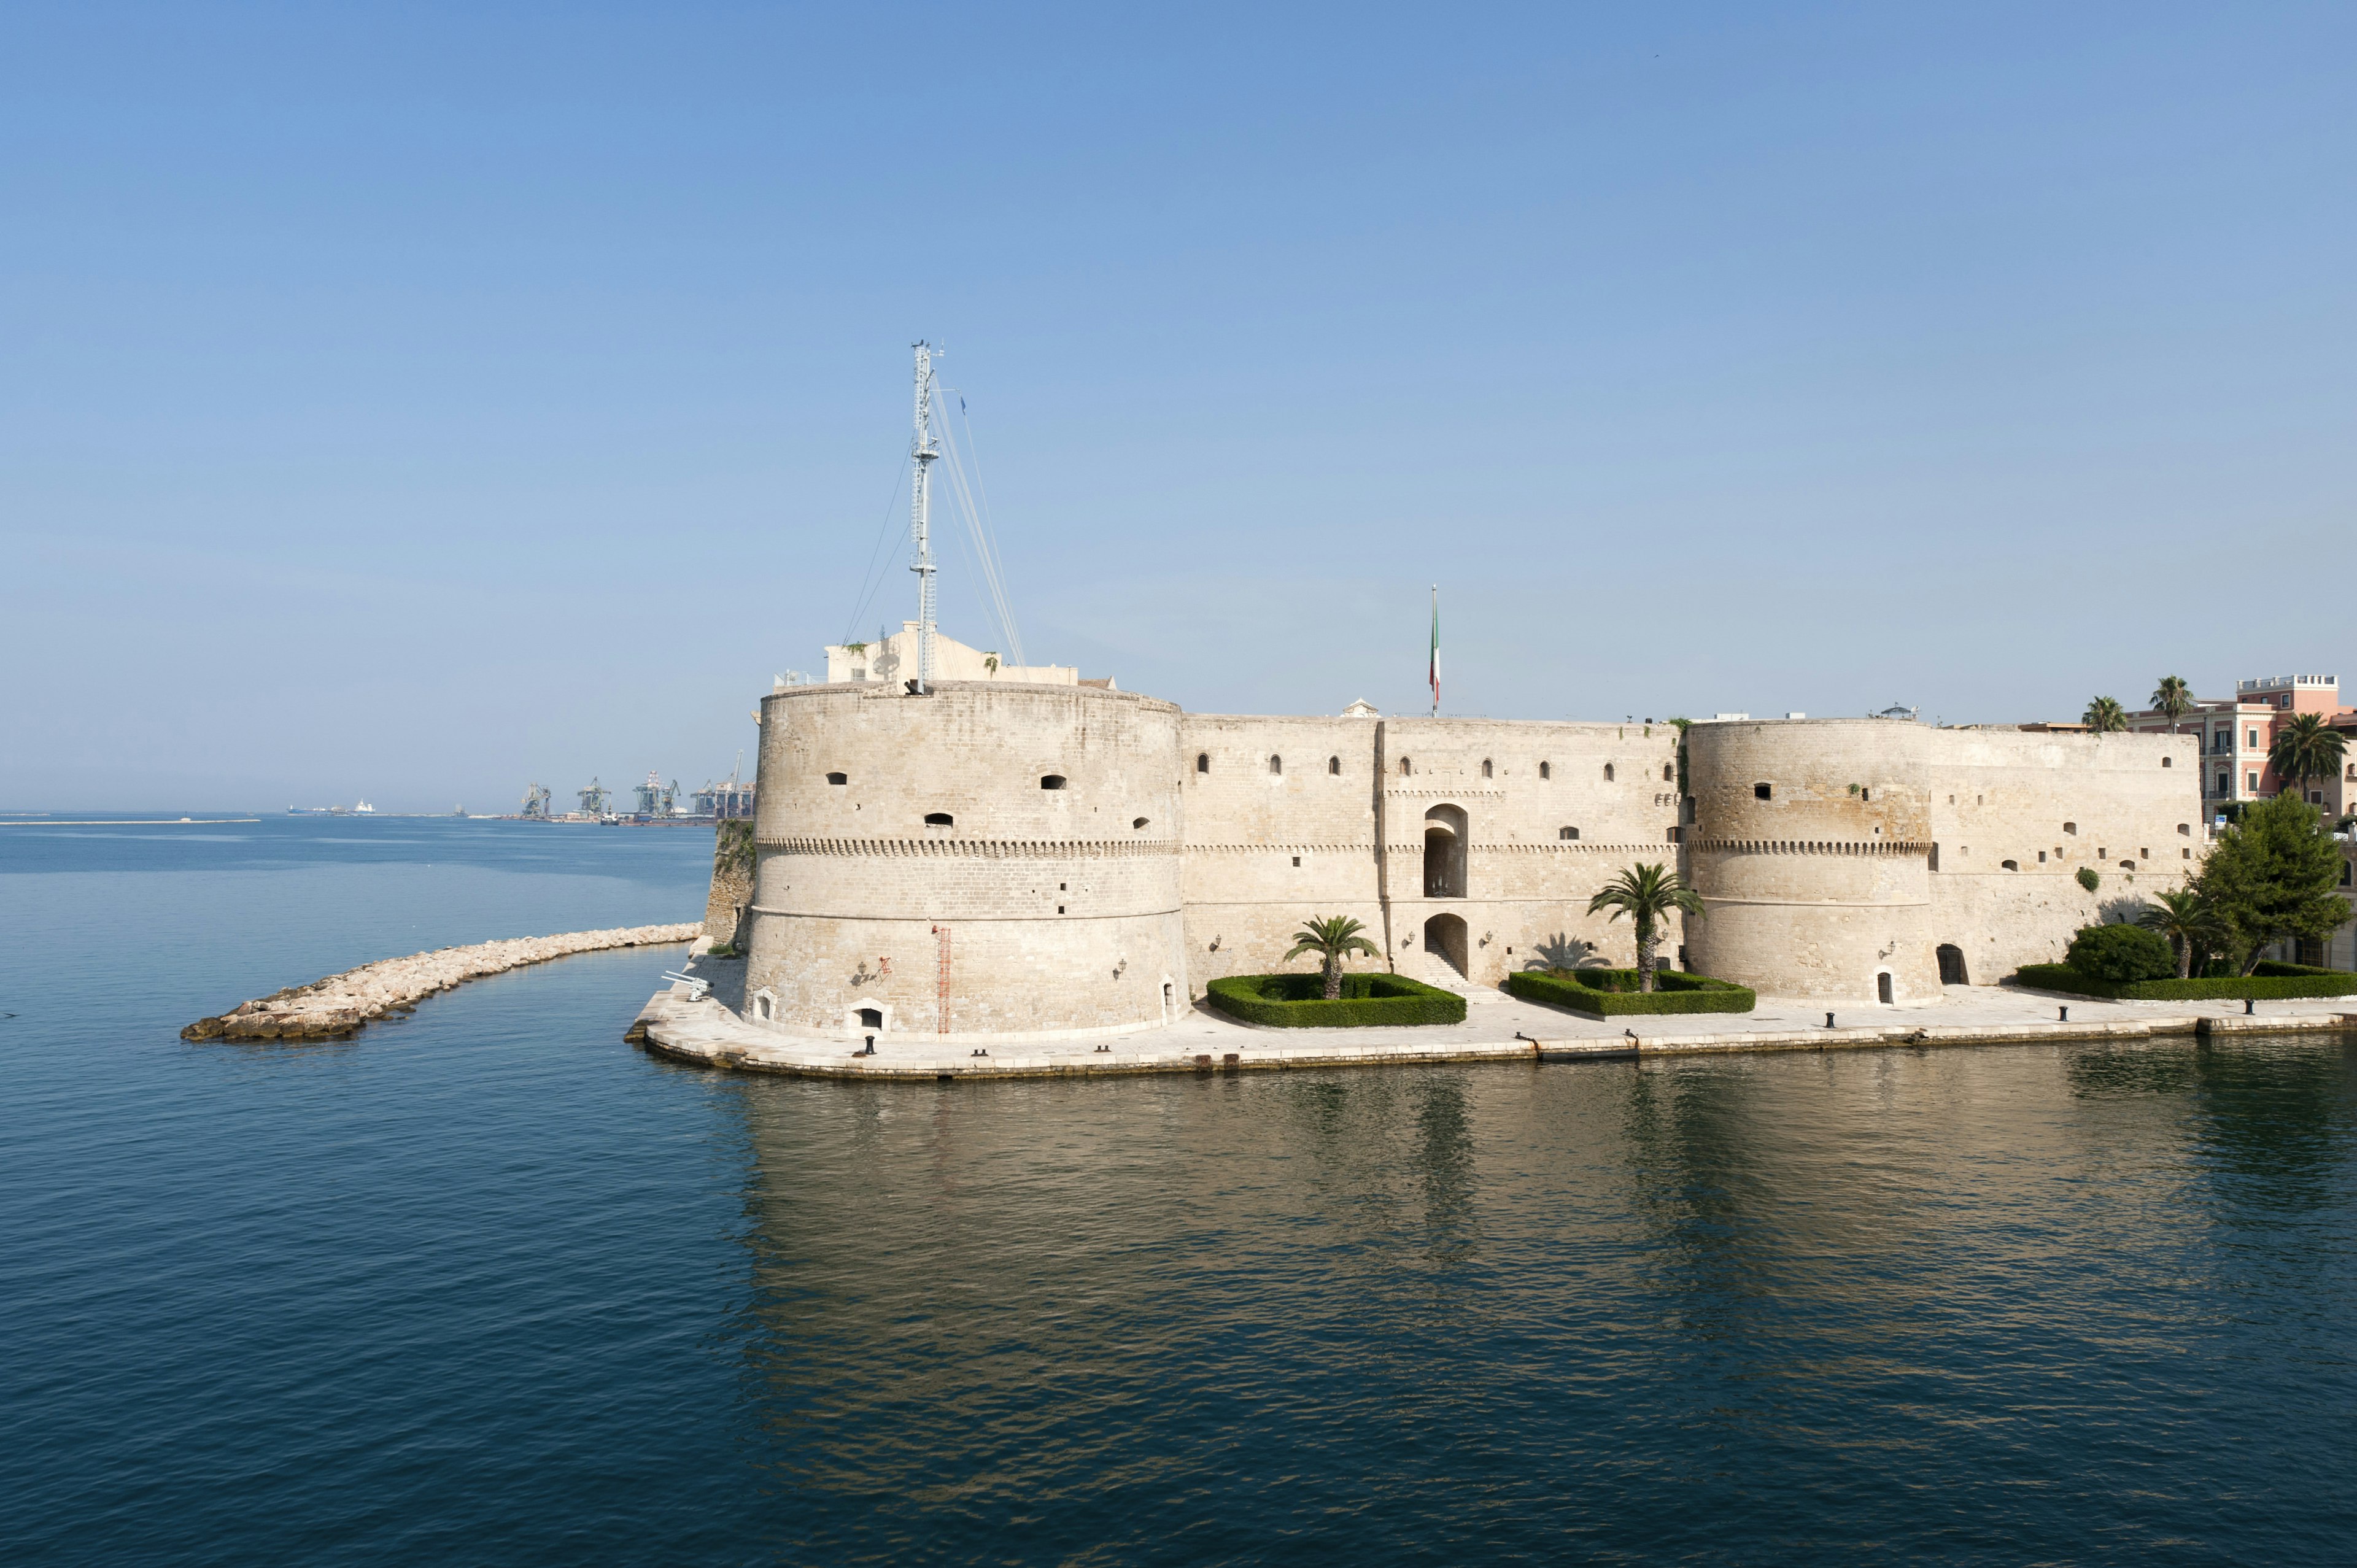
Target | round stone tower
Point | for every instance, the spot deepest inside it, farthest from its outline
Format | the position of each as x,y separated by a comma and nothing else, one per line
1810,845
987,860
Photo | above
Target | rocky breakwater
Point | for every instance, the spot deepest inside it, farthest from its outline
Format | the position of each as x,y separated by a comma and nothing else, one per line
335,1007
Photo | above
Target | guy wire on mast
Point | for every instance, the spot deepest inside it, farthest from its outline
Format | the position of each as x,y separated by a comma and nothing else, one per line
921,521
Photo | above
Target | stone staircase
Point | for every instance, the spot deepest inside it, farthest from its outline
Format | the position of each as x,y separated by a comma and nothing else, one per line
1433,969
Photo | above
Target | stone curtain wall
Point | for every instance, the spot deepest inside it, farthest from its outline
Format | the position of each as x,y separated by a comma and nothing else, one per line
1062,904
2012,795
1859,863
1526,888
731,895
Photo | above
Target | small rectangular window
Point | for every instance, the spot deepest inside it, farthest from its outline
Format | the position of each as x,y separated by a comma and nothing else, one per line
1760,791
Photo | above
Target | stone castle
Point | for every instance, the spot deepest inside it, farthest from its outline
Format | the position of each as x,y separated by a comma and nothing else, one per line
1023,853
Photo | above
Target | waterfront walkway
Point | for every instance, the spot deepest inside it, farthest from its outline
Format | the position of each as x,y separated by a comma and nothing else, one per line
1496,1028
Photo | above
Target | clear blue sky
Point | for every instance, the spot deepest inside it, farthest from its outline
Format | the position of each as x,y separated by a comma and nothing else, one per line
416,402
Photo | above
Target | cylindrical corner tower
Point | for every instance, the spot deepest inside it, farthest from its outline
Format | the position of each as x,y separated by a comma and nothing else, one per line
986,860
1810,847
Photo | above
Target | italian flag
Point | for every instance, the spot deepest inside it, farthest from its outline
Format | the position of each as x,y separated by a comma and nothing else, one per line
1434,673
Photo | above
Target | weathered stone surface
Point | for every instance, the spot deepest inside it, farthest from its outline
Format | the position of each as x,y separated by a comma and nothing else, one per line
338,1006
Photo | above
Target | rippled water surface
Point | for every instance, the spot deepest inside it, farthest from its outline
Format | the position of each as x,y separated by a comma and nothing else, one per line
488,1285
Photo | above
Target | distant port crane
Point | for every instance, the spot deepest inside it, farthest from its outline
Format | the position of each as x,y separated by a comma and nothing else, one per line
594,799
535,802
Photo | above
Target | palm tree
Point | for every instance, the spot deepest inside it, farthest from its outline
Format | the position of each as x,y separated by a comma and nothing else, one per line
2173,700
1645,894
2306,748
2106,716
2184,917
1332,940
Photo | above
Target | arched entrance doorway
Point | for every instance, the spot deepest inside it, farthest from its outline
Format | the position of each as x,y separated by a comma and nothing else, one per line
1445,828
1445,935
1952,965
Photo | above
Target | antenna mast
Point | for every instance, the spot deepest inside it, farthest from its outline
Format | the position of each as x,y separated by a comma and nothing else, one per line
920,516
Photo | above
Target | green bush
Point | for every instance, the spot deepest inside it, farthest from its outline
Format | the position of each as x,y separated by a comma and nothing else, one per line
2090,878
1612,992
1298,1001
2272,982
2121,953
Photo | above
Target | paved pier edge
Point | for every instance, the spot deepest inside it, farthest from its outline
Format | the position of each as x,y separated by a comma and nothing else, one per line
704,1034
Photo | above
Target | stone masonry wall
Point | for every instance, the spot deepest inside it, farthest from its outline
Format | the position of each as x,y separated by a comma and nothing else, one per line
887,819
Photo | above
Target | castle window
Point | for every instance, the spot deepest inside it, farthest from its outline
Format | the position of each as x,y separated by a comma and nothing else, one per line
1935,857
1761,792
1863,796
1333,765
2345,874
2184,830
2186,853
2071,828
2128,865
2144,854
1051,781
1404,768
1139,822
1485,769
1668,773
1202,762
2041,857
1276,765
1546,770
1566,832
764,1005
1607,773
838,778
1297,860
2010,865
937,820
2168,762
871,1017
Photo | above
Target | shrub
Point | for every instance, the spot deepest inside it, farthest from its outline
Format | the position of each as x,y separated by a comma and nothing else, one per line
2090,878
2122,953
2272,982
1612,992
1298,1001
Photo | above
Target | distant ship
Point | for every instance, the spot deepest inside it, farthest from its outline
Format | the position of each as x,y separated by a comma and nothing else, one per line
363,809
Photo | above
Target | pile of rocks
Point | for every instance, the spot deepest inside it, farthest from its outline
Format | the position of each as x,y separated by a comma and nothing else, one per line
335,1007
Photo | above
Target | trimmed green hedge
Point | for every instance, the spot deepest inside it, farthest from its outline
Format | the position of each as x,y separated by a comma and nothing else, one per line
1612,992
2272,982
1298,1001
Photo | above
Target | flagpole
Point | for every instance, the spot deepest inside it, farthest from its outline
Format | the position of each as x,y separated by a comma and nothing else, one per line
1436,651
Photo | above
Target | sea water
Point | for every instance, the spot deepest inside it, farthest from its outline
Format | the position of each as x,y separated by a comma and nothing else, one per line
486,1284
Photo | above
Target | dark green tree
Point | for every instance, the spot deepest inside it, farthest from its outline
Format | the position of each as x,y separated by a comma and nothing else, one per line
2119,952
1332,939
2104,715
1646,894
2173,700
2270,878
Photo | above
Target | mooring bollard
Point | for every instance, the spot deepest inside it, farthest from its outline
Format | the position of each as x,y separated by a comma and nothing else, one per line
2250,1005
871,1047
2066,1014
1829,1020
